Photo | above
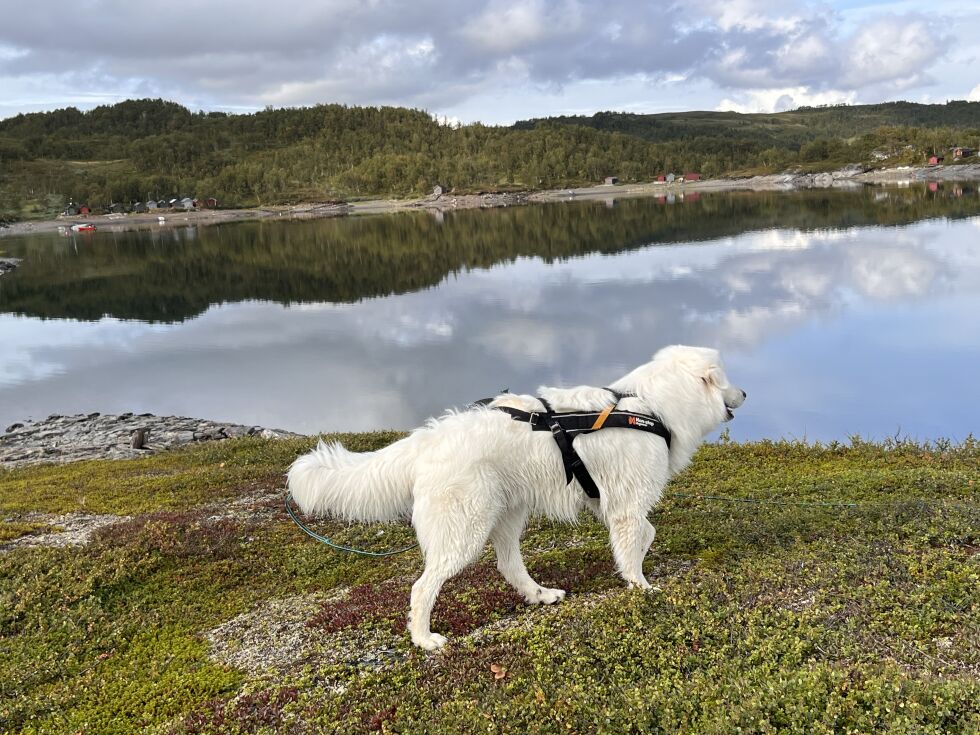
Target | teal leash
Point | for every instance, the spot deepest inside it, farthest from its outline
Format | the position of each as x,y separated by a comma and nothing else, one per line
718,498
332,544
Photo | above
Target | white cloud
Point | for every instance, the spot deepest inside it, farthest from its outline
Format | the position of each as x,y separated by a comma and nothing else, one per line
505,28
893,49
752,54
784,98
753,15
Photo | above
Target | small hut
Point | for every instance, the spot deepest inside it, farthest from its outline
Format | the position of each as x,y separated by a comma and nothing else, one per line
140,208
187,203
611,180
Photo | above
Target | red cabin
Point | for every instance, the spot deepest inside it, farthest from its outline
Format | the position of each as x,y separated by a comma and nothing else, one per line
692,177
936,160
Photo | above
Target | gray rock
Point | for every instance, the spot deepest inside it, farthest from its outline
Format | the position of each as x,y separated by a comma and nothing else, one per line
95,436
849,171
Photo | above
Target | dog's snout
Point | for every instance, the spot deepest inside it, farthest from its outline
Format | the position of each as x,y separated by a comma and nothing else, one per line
744,395
734,397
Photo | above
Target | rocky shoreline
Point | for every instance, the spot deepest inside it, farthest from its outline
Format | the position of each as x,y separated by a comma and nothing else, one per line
853,175
960,172
8,264
61,439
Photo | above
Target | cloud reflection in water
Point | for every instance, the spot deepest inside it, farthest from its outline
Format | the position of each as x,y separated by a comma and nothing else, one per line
832,332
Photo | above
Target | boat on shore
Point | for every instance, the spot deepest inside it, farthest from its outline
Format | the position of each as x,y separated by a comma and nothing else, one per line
83,227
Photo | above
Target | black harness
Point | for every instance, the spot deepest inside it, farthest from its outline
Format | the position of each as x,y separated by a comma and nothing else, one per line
564,427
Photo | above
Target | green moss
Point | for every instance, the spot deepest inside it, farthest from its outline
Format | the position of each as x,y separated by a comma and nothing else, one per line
148,680
768,618
10,530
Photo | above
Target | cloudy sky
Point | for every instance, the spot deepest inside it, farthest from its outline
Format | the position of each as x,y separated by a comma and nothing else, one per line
495,61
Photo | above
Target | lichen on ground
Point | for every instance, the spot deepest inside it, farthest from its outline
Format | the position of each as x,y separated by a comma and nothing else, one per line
272,637
52,529
207,611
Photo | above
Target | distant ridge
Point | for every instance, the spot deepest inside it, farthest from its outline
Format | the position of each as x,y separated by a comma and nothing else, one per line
777,128
138,150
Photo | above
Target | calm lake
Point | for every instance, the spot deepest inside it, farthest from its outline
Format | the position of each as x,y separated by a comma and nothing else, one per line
840,313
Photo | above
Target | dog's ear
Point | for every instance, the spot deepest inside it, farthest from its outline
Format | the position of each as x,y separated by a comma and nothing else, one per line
714,376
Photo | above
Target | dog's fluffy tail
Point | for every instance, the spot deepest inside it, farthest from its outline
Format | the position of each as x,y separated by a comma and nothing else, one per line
369,486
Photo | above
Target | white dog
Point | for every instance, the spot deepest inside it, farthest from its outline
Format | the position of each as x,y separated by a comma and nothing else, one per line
478,474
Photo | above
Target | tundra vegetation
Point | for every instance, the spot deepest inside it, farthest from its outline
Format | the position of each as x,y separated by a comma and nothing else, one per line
138,149
771,617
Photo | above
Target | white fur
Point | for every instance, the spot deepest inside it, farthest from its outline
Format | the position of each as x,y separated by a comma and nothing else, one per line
477,475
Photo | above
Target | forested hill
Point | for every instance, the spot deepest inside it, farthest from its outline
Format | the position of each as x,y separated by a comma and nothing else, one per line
142,149
792,128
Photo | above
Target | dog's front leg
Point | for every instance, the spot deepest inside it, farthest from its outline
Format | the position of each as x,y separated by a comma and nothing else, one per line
630,536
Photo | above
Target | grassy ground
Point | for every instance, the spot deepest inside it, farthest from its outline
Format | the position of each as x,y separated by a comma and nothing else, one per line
768,618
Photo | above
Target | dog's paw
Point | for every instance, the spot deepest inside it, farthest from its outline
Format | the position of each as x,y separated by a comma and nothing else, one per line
545,596
641,584
430,642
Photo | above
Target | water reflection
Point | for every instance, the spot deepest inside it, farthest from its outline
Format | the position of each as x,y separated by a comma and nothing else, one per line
168,275
855,329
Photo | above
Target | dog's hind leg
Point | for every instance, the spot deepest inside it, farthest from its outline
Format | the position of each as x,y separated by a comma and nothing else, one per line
506,538
451,536
424,593
631,536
